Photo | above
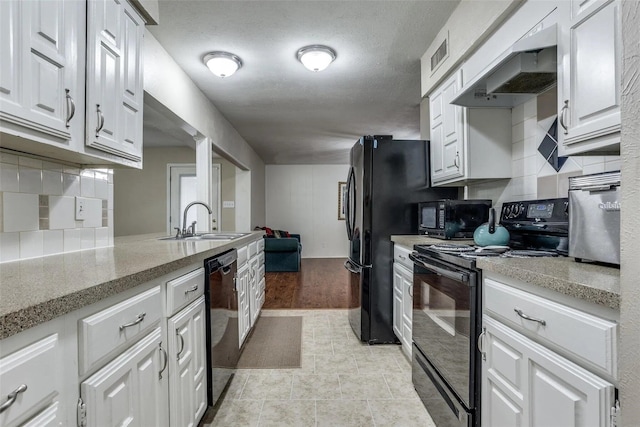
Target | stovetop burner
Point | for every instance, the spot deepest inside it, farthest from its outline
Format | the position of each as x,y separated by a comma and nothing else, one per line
529,254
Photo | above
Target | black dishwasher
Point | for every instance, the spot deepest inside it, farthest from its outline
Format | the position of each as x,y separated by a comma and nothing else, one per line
222,328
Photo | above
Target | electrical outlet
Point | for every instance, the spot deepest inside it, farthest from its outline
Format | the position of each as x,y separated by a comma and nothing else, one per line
228,204
81,208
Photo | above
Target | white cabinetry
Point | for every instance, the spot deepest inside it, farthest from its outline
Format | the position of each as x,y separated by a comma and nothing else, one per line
466,144
114,79
244,315
42,80
539,368
402,296
589,79
42,73
129,390
250,285
187,365
31,384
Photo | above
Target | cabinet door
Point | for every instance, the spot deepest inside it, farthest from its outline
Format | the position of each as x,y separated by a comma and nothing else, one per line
40,83
446,147
129,390
242,286
187,365
114,79
397,300
590,94
33,376
452,150
253,289
525,384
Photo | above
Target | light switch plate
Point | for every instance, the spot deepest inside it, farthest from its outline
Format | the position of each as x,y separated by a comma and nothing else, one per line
228,204
81,208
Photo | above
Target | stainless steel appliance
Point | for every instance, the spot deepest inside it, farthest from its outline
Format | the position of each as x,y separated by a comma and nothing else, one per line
594,217
386,180
222,328
447,306
450,219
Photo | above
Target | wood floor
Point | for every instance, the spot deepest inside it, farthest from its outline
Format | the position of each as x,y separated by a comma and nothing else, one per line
320,283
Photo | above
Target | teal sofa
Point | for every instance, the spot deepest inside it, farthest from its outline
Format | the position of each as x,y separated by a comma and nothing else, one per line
282,254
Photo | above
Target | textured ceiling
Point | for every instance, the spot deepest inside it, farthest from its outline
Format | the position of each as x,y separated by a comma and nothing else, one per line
288,114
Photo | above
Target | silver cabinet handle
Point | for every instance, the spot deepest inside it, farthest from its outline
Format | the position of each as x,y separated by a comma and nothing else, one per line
166,360
191,289
481,343
410,290
100,120
235,282
181,344
138,319
562,114
402,257
456,160
71,108
11,397
527,317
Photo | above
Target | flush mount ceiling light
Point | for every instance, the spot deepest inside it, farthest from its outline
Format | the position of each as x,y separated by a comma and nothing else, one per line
316,57
222,64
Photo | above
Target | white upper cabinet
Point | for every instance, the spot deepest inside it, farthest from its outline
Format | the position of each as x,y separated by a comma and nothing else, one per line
114,79
41,75
49,49
589,79
467,144
446,131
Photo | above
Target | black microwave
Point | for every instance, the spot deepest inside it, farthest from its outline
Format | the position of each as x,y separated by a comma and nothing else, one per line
452,219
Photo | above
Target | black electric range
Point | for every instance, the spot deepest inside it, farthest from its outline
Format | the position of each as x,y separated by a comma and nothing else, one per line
446,363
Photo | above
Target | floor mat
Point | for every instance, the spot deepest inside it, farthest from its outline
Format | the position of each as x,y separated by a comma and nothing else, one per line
275,343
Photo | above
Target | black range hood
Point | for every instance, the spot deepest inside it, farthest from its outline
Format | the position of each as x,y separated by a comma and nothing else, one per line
527,68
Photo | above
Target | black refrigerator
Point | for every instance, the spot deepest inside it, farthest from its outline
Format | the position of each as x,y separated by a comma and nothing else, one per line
386,180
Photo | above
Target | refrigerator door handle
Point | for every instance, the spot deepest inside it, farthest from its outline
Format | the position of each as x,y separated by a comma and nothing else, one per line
352,268
347,203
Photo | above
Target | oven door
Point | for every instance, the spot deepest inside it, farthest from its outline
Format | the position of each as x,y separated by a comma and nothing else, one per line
445,326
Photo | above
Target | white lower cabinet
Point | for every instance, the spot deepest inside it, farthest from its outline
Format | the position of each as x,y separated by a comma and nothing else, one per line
403,297
547,360
526,384
31,385
129,390
187,365
244,315
254,310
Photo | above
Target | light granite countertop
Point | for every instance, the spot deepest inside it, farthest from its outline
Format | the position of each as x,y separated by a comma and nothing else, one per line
589,282
37,290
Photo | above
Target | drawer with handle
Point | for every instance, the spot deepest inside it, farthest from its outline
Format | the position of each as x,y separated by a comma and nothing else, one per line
116,327
401,255
184,289
30,380
579,335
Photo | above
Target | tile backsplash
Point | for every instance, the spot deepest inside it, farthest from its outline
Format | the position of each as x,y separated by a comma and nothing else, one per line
538,172
38,208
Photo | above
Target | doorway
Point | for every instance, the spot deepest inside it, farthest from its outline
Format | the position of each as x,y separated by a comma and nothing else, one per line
182,190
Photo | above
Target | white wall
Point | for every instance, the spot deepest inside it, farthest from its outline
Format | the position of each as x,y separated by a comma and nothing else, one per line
630,221
140,195
303,199
468,26
169,85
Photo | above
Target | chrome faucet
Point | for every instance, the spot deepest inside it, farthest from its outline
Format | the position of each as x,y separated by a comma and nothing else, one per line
191,230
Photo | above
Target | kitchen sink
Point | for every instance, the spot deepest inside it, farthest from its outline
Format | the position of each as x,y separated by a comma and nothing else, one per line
208,236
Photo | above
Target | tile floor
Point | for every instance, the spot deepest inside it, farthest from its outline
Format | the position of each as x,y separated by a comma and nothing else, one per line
341,383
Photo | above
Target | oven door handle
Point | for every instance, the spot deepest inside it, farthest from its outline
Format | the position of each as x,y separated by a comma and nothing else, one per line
441,269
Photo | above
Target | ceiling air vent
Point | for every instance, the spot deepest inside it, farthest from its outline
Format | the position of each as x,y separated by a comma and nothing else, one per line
440,54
